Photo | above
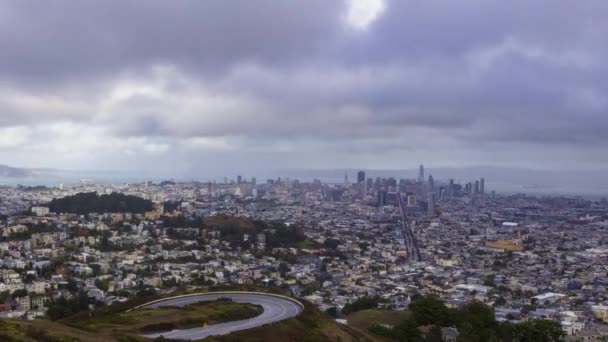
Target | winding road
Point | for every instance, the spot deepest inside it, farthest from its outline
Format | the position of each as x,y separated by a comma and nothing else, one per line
276,308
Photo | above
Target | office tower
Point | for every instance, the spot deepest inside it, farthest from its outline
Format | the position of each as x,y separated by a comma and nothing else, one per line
362,188
451,188
431,183
239,179
254,181
467,187
370,183
476,190
381,198
482,185
345,178
431,204
421,174
360,176
392,182
411,200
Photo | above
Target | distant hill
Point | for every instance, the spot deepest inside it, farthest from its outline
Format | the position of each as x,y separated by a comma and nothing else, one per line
90,202
8,171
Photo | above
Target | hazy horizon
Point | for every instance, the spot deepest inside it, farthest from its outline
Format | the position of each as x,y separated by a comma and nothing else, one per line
585,183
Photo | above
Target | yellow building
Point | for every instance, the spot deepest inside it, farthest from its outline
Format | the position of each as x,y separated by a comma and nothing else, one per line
505,245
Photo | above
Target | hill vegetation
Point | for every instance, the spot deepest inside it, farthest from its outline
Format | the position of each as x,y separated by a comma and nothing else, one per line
475,322
89,202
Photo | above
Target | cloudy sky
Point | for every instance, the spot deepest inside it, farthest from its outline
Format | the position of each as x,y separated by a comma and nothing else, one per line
195,87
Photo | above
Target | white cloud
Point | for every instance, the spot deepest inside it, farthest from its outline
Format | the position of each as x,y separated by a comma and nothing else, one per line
11,137
361,13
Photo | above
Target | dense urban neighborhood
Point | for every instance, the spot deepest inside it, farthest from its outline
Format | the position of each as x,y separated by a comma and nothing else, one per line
366,244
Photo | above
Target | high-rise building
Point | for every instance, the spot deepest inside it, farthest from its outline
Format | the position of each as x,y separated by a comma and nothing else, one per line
451,188
254,181
476,189
362,188
482,185
411,200
431,183
239,179
361,176
381,198
431,203
421,174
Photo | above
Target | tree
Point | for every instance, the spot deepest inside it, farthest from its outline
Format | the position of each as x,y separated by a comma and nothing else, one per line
431,310
477,323
19,293
283,269
434,335
407,331
500,301
103,285
540,330
331,243
362,303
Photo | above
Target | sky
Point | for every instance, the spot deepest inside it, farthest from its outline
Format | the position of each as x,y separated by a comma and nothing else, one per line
209,87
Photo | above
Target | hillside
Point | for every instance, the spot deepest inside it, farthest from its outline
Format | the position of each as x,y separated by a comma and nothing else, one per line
114,324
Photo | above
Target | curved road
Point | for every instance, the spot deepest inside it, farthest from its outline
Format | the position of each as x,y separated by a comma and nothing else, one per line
276,308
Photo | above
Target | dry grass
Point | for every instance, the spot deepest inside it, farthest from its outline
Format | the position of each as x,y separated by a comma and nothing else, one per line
364,319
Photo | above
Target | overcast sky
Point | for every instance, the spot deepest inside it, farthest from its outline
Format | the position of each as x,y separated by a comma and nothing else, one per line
195,87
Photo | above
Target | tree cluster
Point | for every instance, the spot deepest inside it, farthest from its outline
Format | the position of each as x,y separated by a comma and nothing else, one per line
89,202
475,322
362,303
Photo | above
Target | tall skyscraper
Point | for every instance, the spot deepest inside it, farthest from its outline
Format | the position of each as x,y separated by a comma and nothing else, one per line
476,189
421,174
239,179
362,188
482,185
431,203
361,176
451,188
381,198
431,183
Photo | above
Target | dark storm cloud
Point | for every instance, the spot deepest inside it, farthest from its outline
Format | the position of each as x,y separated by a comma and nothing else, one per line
520,74
79,39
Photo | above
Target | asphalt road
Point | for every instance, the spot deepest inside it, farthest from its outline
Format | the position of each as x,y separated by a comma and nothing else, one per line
275,309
